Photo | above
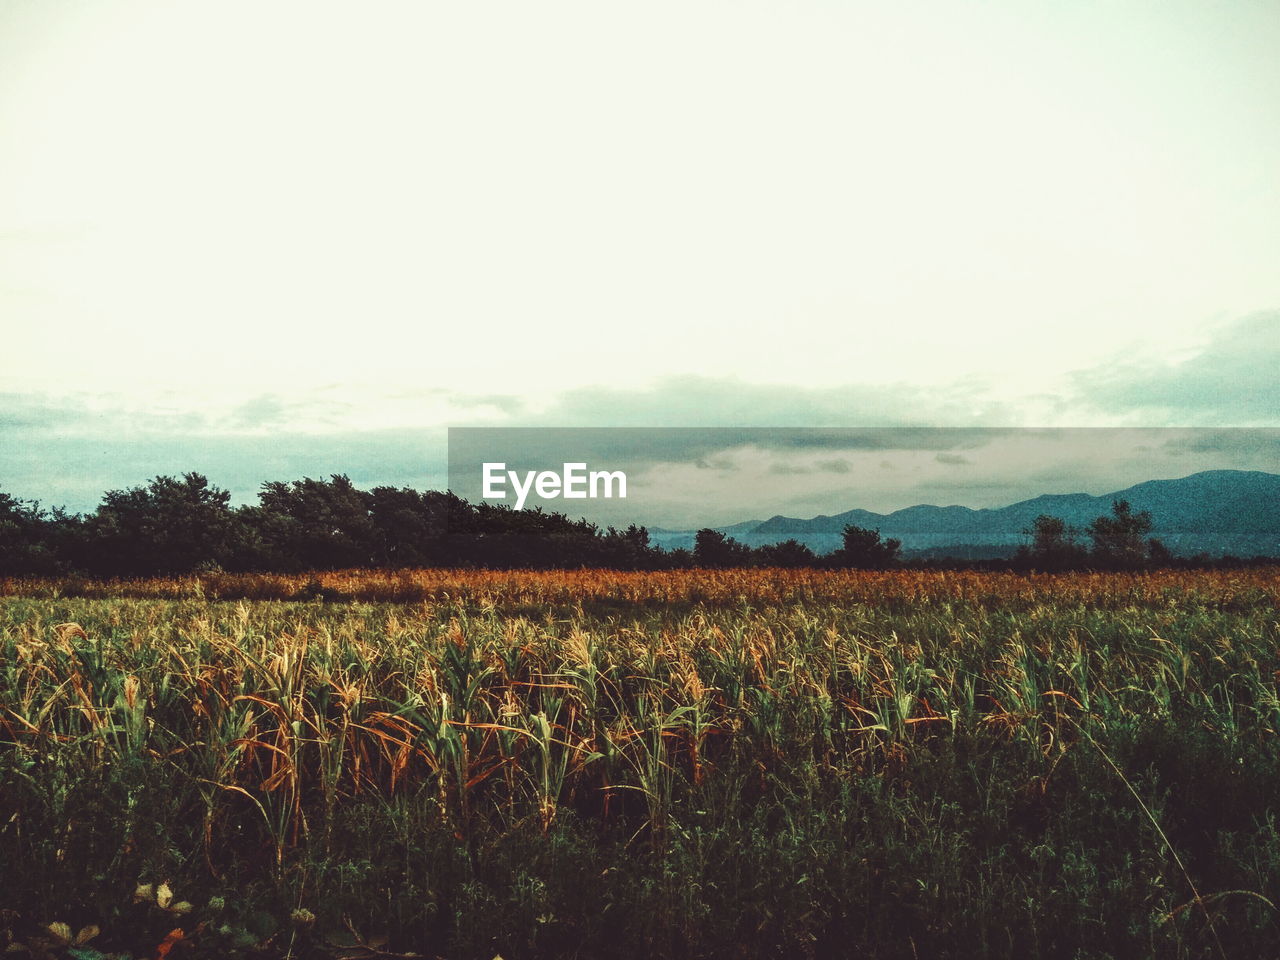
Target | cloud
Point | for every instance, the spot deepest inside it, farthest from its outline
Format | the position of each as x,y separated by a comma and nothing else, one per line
74,467
69,448
686,419
780,451
1256,445
265,410
719,464
835,466
25,412
38,416
270,411
1230,381
505,403
696,401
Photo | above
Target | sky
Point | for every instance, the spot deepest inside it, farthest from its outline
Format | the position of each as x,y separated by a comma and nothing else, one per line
684,478
269,240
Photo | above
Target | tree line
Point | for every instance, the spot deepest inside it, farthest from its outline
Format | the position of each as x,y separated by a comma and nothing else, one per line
1118,541
175,525
180,525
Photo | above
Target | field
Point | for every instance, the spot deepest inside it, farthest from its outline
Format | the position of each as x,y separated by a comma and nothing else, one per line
682,764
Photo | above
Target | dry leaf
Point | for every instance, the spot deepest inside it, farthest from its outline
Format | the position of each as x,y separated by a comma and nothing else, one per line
61,932
167,944
86,934
164,896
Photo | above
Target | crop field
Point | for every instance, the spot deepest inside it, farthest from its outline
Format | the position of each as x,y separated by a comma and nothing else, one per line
757,763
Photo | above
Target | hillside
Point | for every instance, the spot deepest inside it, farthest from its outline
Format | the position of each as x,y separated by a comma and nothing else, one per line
1215,511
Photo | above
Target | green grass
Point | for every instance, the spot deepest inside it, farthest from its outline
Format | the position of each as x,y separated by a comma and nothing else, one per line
884,765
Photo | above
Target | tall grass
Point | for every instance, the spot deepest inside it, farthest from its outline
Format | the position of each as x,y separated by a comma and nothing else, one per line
667,764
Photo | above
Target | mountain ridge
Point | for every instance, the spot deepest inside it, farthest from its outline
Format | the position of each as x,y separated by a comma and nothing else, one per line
1177,505
1212,511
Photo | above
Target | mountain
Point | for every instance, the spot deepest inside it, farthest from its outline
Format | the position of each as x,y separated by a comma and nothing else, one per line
1217,511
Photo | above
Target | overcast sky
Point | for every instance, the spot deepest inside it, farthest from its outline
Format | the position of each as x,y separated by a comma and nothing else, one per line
265,240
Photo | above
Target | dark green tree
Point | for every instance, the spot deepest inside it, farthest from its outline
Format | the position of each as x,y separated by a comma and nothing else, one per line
788,553
26,534
172,525
865,550
1054,545
408,527
627,549
711,548
1120,540
314,524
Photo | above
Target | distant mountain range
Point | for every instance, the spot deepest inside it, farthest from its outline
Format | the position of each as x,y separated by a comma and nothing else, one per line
1217,511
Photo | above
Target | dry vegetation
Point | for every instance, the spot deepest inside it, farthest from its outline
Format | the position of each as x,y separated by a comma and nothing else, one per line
458,763
754,586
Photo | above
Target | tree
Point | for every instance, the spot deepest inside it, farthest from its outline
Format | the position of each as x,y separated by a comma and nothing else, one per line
711,548
25,535
788,553
315,524
169,526
863,549
1054,545
408,527
627,549
1119,540
1158,554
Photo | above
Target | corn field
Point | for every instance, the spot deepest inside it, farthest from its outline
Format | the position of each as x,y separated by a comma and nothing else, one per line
675,764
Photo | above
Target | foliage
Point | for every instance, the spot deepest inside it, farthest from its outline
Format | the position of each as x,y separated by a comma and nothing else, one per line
713,549
185,525
677,764
863,549
314,523
25,538
788,553
169,525
1054,545
1120,540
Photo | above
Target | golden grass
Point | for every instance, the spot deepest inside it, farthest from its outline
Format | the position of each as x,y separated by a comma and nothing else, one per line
757,586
